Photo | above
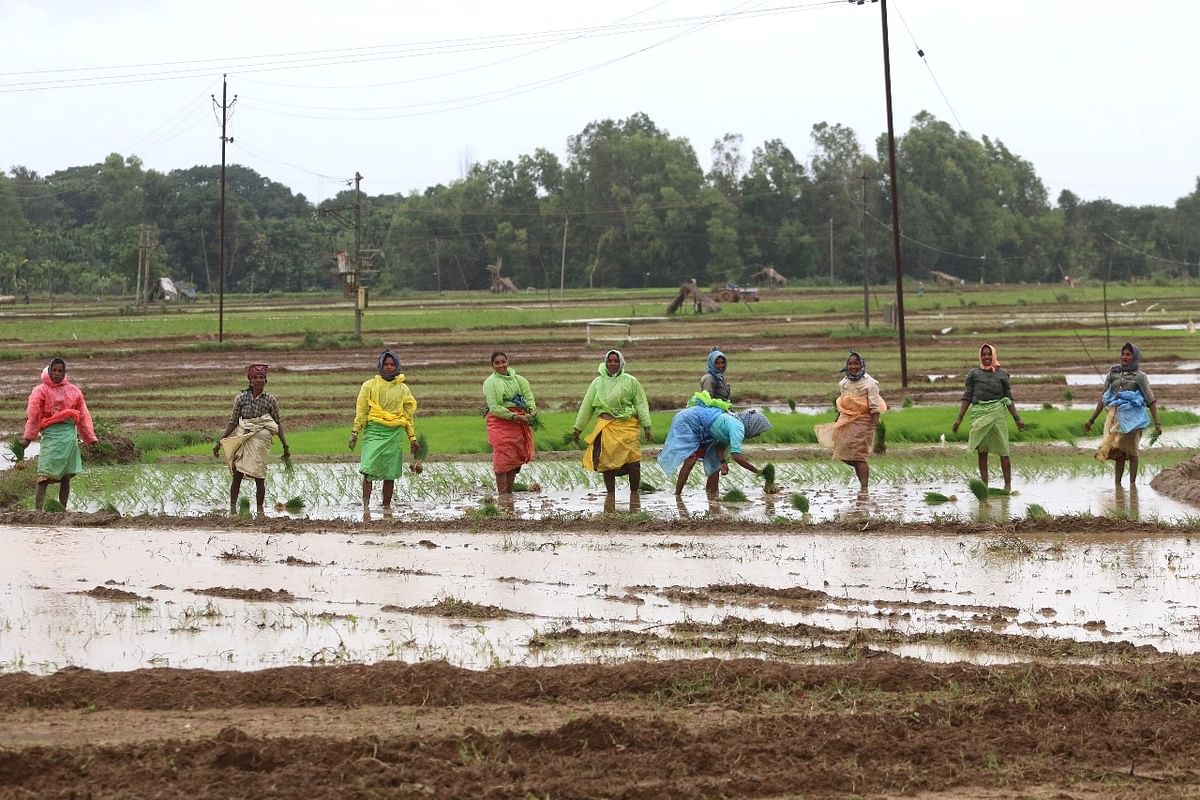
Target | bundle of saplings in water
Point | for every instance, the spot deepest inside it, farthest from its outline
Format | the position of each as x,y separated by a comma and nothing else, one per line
768,476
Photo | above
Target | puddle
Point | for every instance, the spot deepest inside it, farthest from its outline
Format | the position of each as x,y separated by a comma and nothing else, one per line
1156,378
1105,589
7,458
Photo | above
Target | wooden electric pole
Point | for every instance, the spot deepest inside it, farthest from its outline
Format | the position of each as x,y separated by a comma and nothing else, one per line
225,107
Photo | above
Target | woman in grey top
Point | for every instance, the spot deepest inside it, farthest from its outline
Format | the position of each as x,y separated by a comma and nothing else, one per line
988,394
1128,397
713,380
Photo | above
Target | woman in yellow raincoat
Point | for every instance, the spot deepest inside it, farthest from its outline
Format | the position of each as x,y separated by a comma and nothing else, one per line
852,436
618,403
247,438
988,394
384,410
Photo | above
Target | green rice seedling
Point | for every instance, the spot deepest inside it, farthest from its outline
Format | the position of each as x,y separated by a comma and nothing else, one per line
936,498
488,510
996,492
535,423
734,496
880,438
1035,511
768,474
1047,406
110,509
1154,437
978,488
422,447
243,505
295,504
800,503
52,505
646,487
18,452
792,404
1068,395
908,403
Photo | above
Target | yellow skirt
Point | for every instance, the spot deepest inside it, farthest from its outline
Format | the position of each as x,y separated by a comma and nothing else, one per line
612,444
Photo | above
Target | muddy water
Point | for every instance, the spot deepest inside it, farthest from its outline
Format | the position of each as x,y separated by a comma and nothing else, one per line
1109,589
457,490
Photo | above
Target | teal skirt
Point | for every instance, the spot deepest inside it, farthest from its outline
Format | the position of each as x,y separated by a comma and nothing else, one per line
59,457
382,452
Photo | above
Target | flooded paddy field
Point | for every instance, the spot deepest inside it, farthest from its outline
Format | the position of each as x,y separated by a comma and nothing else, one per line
465,489
126,598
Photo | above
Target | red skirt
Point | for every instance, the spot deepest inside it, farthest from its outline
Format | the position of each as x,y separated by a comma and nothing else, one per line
511,442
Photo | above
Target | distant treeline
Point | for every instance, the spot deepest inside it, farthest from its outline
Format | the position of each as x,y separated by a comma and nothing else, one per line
631,206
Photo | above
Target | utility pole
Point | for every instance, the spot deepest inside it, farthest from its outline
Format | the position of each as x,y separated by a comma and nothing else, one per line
352,273
866,272
562,264
887,85
225,107
831,251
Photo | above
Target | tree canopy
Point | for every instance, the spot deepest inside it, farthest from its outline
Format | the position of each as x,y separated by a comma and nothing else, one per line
631,205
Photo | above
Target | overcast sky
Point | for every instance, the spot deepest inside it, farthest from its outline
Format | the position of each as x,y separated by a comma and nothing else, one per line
1099,95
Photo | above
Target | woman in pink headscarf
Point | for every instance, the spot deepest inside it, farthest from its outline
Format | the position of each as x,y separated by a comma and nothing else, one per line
247,437
58,415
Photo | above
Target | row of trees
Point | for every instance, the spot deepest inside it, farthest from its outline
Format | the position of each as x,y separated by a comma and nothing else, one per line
630,207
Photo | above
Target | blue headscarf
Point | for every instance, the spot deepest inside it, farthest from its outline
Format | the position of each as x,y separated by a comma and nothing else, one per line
713,355
858,373
1134,365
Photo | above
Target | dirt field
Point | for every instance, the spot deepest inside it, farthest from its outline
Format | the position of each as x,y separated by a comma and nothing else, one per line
880,727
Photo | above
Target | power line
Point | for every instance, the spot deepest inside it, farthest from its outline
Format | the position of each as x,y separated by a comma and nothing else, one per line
1151,256
925,61
242,65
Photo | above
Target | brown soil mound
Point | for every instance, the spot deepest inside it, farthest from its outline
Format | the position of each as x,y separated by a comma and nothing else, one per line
879,728
1180,482
257,595
110,449
109,593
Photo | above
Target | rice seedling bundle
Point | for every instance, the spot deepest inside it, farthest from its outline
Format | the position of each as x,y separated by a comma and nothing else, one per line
800,503
734,496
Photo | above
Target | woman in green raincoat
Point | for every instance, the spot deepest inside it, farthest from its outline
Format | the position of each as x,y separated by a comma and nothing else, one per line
618,403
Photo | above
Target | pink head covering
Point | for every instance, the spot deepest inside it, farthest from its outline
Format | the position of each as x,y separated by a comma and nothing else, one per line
995,365
256,371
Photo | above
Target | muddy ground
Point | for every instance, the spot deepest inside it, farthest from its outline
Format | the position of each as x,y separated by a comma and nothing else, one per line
878,727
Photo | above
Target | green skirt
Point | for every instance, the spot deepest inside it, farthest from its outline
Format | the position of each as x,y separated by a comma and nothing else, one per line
59,457
989,427
382,452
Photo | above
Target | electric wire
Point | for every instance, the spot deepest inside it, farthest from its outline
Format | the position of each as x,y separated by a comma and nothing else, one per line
925,61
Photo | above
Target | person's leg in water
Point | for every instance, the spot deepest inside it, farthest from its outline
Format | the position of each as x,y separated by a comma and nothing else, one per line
366,493
1120,459
1133,470
983,468
260,494
39,498
1006,470
634,471
388,488
863,472
235,490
